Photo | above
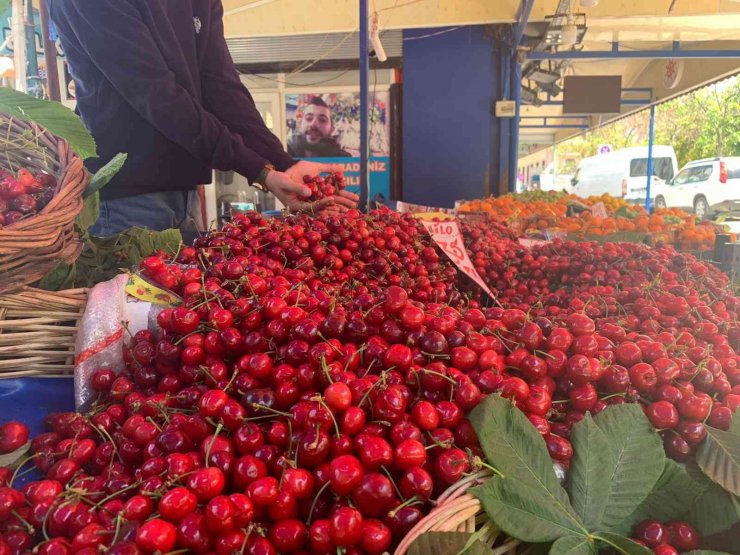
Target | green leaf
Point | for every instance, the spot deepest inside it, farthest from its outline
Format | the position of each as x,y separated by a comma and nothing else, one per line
573,545
59,120
719,458
714,510
11,460
90,212
638,459
60,278
622,544
588,490
447,543
674,491
527,511
104,175
513,446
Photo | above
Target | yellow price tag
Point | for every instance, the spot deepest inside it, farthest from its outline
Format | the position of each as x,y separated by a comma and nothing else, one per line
141,289
429,216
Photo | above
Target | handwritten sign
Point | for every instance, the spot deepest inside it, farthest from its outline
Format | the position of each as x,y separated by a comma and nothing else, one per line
449,238
599,210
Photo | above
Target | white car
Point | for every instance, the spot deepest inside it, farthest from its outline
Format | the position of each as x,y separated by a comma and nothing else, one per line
705,187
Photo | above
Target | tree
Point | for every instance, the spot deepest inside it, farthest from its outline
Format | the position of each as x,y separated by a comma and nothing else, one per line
701,124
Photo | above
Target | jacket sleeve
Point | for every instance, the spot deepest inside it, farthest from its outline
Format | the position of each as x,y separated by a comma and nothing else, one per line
225,95
114,37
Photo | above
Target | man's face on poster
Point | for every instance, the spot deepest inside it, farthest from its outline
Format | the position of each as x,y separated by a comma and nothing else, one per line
316,124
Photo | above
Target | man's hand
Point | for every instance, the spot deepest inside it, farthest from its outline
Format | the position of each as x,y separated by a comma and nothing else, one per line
288,187
294,194
304,167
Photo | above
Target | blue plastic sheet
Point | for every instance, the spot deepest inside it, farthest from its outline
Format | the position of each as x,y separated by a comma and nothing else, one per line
28,400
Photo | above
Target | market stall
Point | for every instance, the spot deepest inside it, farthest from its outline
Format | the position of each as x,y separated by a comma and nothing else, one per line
526,373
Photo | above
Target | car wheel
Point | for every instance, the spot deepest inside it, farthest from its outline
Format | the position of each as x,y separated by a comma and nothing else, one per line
660,203
701,208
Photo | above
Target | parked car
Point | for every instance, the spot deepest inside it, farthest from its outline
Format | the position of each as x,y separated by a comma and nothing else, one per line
705,187
623,173
549,181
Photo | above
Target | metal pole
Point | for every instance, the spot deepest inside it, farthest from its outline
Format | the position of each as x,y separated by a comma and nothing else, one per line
514,145
650,157
50,53
364,106
33,62
19,45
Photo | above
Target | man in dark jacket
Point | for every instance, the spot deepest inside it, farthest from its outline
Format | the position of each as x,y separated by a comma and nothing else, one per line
155,79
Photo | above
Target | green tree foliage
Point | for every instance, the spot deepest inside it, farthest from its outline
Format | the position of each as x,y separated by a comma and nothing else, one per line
702,124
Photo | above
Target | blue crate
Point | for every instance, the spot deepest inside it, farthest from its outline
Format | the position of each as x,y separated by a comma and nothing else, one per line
28,400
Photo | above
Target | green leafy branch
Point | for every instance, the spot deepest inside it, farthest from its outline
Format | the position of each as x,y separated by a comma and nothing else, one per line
619,476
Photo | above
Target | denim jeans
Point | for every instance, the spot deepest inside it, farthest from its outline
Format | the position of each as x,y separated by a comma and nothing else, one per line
154,211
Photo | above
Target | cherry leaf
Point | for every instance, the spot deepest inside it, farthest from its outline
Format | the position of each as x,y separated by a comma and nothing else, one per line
719,458
11,460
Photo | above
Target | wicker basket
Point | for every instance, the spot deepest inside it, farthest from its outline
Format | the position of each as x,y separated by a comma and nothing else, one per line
38,331
31,247
459,511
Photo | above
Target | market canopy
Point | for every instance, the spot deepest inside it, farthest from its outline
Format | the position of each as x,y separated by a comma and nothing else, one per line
634,24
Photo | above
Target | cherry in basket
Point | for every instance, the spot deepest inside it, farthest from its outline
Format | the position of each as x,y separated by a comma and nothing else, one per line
24,194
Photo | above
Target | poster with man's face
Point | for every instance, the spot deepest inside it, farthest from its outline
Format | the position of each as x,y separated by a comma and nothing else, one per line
325,125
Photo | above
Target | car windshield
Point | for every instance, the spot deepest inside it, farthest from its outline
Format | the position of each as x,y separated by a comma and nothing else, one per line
694,174
662,167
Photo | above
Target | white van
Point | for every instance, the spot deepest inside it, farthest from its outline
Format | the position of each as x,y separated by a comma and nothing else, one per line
623,173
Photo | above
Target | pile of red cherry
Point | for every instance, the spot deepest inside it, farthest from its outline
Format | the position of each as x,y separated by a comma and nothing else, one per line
310,394
322,187
669,538
24,194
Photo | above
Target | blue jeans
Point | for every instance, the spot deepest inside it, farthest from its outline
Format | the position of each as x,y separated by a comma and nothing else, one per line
154,211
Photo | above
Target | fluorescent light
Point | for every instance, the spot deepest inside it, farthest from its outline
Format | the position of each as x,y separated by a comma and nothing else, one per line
589,3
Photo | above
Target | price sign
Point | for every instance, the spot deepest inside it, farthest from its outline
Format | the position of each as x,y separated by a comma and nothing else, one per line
449,238
599,210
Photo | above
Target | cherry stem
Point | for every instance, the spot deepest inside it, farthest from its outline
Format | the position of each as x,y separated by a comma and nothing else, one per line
316,500
408,503
213,440
478,462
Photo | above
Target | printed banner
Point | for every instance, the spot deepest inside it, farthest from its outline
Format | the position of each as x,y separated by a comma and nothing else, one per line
325,127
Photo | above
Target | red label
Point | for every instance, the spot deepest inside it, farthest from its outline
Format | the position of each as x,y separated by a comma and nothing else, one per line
447,235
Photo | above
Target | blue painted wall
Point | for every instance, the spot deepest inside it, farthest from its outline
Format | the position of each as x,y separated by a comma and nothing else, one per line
447,122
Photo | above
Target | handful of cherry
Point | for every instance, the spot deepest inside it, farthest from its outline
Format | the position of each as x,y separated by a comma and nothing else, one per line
322,187
24,194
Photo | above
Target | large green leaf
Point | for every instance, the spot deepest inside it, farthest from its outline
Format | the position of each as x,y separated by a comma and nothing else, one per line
592,460
59,120
513,445
90,212
527,511
14,458
637,462
104,175
573,545
622,544
715,509
719,458
447,543
61,277
674,491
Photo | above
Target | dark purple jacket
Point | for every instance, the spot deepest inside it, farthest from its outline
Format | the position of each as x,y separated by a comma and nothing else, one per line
155,79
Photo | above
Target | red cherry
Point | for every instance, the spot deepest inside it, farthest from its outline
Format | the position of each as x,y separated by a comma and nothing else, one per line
156,535
662,414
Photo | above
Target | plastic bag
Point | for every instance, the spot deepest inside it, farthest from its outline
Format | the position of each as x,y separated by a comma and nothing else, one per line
111,317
